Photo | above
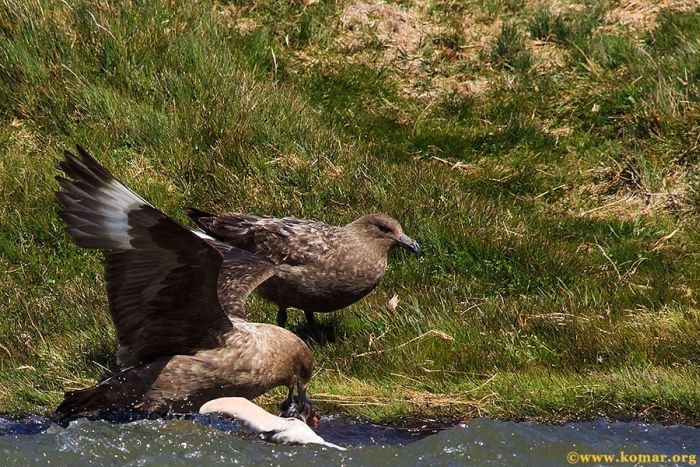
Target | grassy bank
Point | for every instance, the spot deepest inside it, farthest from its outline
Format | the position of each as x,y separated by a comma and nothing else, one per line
544,154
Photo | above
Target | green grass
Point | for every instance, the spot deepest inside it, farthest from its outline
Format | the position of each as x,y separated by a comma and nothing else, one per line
556,202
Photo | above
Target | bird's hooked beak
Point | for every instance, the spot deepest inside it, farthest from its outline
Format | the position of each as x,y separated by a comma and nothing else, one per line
408,243
299,407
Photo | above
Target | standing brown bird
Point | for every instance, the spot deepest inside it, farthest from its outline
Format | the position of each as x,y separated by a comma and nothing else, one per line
319,268
177,300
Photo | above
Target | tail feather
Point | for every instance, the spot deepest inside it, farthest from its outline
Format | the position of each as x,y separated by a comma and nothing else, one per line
233,228
83,400
196,215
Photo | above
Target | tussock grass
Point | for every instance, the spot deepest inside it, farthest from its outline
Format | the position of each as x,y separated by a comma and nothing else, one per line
509,49
556,199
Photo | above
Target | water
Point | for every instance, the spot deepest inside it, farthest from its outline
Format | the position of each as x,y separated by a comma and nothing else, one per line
214,440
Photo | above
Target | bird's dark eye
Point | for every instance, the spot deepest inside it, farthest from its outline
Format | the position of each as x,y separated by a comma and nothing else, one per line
384,228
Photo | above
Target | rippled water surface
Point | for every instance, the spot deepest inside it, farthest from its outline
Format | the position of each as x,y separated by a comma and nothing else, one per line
205,441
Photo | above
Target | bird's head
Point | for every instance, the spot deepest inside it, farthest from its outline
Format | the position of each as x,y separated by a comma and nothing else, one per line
300,406
384,231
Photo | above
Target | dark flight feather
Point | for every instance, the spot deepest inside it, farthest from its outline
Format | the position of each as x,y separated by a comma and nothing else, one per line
163,279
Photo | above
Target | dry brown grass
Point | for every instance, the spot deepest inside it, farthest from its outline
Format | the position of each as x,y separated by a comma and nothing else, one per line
642,15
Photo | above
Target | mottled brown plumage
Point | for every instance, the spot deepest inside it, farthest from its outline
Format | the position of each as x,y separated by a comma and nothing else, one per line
319,268
177,300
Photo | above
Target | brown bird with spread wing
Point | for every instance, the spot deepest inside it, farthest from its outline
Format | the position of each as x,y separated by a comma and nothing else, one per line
177,300
319,267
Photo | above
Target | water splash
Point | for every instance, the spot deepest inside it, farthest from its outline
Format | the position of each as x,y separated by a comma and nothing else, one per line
207,440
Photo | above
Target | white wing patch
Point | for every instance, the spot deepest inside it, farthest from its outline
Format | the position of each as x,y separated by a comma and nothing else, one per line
116,202
119,201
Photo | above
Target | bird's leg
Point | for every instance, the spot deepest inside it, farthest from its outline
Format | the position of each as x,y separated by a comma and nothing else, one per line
282,317
314,327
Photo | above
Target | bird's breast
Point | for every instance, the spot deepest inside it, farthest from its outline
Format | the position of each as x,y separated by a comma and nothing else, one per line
324,286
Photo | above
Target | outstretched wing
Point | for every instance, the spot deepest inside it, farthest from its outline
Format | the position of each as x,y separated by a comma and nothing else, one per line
162,278
282,241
